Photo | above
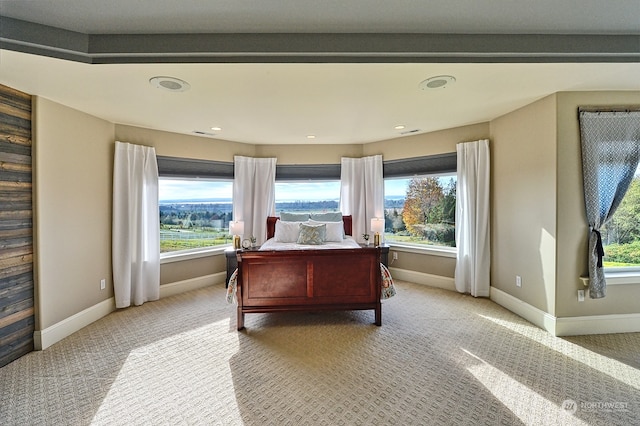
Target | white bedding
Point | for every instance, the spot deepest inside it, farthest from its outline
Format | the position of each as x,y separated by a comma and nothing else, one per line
272,244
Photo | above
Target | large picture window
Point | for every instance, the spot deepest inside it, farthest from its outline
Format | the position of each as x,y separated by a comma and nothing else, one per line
621,235
420,210
196,199
311,196
194,213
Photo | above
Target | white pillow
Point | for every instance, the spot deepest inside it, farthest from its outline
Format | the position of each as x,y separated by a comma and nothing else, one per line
287,232
335,230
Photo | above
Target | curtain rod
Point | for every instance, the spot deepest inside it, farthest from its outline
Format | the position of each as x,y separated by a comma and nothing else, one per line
630,108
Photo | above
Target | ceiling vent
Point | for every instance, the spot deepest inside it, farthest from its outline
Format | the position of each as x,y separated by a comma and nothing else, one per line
170,84
201,133
408,132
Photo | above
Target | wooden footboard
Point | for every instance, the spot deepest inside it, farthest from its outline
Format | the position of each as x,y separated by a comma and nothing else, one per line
309,280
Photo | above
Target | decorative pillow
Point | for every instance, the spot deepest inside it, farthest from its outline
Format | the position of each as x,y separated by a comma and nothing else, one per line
294,217
335,230
312,234
327,217
287,232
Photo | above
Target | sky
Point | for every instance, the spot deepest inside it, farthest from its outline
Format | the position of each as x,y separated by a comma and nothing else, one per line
189,190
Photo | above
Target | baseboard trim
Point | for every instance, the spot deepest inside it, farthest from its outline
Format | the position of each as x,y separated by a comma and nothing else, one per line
532,314
178,287
431,280
598,324
568,326
42,339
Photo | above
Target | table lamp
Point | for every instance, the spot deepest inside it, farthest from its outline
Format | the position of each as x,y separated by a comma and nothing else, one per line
236,228
377,227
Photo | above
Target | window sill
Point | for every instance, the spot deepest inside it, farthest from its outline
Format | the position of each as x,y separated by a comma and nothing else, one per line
183,255
617,278
614,278
450,252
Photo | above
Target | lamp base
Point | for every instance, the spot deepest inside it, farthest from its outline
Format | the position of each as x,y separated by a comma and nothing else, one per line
236,242
376,239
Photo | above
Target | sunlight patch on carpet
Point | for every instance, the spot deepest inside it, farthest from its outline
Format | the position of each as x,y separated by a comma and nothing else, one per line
611,367
149,387
528,405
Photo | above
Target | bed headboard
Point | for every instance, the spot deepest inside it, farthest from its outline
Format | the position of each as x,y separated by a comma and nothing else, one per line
271,225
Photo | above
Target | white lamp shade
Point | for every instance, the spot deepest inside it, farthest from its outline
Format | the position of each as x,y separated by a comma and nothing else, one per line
377,225
236,227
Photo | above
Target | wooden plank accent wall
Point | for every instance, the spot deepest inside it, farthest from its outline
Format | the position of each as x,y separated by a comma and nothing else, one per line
16,226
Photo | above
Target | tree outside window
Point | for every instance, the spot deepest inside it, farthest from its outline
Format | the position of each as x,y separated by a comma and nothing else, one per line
621,235
426,213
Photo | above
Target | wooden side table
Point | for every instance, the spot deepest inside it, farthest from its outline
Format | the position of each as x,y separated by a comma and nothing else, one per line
384,254
232,260
232,263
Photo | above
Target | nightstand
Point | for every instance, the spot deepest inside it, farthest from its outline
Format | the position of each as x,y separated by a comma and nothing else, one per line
232,263
232,260
384,253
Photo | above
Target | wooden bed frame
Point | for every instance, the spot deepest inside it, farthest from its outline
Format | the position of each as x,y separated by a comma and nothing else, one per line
308,280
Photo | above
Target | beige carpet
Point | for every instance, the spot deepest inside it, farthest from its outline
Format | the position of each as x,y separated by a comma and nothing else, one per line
439,358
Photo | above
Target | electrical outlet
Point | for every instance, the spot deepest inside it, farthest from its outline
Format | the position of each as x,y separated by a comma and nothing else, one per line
518,281
395,255
103,284
580,295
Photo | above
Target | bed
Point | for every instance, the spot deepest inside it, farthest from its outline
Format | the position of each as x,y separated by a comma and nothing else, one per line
285,276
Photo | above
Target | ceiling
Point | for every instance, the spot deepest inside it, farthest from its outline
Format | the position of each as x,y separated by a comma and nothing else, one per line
343,71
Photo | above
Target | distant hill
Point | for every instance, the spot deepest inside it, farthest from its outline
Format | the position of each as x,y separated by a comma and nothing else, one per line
225,204
198,201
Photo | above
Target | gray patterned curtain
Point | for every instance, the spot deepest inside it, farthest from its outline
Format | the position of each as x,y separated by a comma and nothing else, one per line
610,155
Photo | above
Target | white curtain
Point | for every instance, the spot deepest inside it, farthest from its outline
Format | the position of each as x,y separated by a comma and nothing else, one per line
472,219
362,192
136,225
254,194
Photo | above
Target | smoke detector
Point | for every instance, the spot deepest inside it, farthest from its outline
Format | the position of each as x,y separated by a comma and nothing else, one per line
437,82
170,84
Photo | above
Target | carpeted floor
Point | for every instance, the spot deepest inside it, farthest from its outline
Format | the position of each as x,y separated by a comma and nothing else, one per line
439,358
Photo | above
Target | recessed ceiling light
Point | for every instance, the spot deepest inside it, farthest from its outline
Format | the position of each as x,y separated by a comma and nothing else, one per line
311,136
216,128
170,84
437,82
399,127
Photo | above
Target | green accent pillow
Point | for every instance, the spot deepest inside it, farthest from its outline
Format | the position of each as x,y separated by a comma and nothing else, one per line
327,217
312,234
294,217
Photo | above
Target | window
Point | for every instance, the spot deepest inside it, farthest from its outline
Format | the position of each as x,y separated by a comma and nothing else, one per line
194,213
196,199
621,235
420,210
311,196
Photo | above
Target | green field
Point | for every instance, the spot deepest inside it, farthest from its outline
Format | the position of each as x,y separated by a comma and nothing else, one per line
179,239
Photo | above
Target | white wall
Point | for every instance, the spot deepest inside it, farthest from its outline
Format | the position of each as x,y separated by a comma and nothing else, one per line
73,162
523,203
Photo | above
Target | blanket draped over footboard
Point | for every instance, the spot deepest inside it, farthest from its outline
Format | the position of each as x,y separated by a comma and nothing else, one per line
388,287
